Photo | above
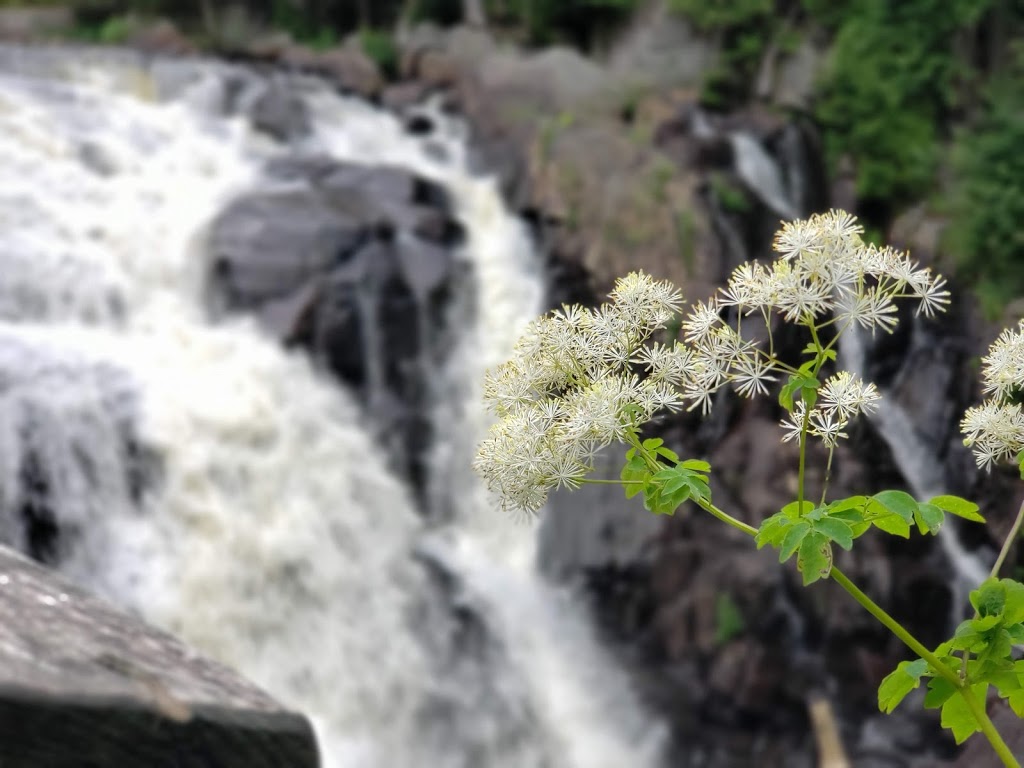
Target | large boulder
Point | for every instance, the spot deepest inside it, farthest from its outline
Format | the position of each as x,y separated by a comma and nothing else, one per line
355,264
83,684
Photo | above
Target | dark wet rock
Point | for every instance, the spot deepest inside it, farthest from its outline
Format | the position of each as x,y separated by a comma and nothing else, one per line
279,112
82,683
356,264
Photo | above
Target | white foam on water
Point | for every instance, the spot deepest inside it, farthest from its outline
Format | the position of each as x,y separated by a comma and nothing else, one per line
273,535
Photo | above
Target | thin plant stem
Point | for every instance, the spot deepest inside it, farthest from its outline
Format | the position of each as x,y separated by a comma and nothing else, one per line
988,728
1011,537
828,475
725,517
803,461
895,627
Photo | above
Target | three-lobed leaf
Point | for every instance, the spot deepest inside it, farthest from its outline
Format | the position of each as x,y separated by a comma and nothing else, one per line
898,683
957,716
815,558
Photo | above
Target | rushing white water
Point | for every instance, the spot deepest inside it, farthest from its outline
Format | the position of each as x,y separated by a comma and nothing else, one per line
761,174
271,533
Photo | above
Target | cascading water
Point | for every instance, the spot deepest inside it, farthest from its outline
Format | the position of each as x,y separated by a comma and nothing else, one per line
226,489
920,466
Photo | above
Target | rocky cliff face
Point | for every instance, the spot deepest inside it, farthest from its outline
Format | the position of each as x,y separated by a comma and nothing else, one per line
723,639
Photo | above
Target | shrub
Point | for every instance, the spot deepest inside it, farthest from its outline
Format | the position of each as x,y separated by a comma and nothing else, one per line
989,207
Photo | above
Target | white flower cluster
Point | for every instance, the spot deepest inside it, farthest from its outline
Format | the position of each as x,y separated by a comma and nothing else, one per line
840,399
995,429
572,384
823,267
569,390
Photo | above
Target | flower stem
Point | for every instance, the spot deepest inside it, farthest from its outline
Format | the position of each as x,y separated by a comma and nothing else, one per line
1011,537
895,627
988,728
963,688
726,518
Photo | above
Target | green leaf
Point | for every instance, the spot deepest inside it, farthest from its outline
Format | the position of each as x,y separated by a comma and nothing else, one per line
636,473
850,503
836,530
958,718
773,529
794,537
959,507
997,646
939,691
668,454
699,488
1016,633
697,466
929,518
669,479
898,683
655,502
787,392
810,394
1016,702
794,510
1013,610
815,558
898,502
986,622
989,598
893,524
854,519
653,443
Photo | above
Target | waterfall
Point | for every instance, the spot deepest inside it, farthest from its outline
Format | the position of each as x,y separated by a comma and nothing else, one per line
920,466
761,174
227,489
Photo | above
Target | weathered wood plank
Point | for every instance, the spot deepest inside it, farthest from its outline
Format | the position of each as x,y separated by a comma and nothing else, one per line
84,685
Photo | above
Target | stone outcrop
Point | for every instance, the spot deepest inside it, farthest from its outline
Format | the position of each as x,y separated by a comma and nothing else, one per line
355,264
82,683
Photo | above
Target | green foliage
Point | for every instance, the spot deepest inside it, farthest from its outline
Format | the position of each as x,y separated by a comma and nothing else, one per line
686,242
111,31
712,15
893,76
744,28
989,207
729,621
548,21
731,196
380,47
665,488
979,655
809,531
